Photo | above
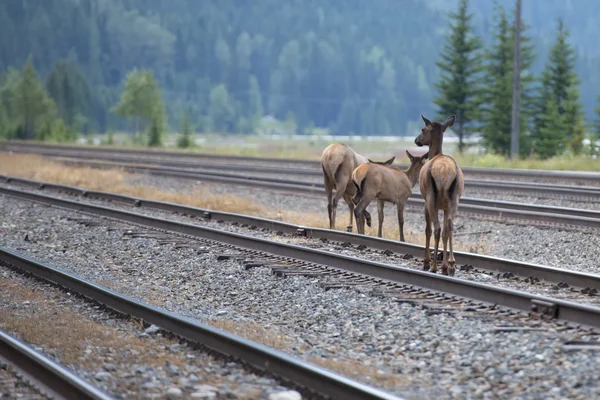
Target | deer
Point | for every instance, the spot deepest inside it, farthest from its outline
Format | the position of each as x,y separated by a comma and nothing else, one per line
338,161
442,183
385,183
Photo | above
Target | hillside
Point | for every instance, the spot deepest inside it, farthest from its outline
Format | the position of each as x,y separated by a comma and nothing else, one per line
351,66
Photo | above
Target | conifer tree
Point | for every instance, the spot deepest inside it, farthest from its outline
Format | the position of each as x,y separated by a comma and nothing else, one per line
186,131
559,119
31,104
496,95
461,64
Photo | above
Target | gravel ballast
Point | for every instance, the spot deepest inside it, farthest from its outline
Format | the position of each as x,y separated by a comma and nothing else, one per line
119,356
397,346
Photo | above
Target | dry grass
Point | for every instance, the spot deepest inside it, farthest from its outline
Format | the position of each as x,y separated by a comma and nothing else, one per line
114,180
46,322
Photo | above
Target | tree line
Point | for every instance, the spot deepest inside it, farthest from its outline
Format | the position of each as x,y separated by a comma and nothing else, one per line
147,67
476,84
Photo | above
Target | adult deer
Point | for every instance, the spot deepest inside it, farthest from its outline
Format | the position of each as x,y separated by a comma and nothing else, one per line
386,183
338,161
441,182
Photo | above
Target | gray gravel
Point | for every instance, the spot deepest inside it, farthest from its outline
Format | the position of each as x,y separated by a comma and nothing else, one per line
14,387
393,345
563,248
125,360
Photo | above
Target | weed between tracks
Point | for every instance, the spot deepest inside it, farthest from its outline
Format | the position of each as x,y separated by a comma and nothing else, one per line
115,180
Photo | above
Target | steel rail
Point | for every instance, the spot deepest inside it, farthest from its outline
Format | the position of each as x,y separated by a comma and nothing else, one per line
310,376
206,169
488,207
51,378
532,173
495,264
565,310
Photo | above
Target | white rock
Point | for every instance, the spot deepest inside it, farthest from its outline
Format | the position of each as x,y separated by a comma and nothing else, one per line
287,395
174,393
152,329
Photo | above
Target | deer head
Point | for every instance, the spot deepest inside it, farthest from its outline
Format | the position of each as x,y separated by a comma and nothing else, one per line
433,131
386,163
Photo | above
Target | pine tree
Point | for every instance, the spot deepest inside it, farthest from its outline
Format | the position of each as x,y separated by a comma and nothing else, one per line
142,100
31,104
186,131
564,125
496,96
460,66
155,134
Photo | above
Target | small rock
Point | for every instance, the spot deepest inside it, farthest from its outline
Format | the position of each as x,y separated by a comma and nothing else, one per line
152,329
203,395
193,378
102,376
109,367
174,393
287,395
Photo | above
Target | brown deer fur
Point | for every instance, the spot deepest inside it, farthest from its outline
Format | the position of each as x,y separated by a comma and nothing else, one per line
386,183
442,183
338,161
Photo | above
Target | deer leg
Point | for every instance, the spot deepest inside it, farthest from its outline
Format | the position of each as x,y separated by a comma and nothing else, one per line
348,199
433,215
359,213
400,211
336,199
380,206
329,191
367,216
452,262
445,242
427,258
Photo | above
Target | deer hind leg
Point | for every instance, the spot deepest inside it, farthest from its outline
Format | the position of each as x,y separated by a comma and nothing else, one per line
400,210
450,228
445,235
380,206
329,191
427,258
433,215
348,199
359,213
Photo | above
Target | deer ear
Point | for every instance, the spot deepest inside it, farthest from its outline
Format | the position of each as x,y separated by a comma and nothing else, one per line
427,122
425,156
449,122
410,156
390,161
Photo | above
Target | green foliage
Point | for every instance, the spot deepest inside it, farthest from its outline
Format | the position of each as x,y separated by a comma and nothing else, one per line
559,118
184,140
496,96
460,65
72,94
142,100
30,104
56,131
155,133
221,110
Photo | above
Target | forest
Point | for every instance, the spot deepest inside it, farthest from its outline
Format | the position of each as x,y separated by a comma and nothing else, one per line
366,68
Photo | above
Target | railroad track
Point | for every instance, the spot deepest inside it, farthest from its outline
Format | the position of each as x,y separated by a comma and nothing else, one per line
540,214
570,176
316,380
50,379
347,271
314,174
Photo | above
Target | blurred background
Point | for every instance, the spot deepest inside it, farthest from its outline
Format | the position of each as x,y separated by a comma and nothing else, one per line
284,78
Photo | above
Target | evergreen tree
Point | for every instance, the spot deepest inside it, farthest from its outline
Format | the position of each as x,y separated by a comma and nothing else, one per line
561,124
155,134
186,131
141,99
255,103
221,110
31,104
460,65
70,91
496,96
